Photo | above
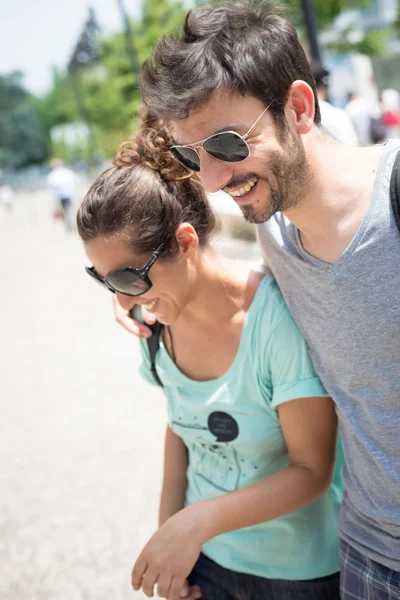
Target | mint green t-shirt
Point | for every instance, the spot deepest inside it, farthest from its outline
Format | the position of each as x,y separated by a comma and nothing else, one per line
231,429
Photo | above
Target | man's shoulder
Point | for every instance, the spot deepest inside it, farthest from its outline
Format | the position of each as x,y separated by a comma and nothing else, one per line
276,228
268,310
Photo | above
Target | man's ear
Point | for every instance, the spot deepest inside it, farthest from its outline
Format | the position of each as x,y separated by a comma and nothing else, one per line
187,238
300,106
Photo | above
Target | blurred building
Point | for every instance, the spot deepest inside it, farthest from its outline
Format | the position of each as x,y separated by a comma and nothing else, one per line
354,24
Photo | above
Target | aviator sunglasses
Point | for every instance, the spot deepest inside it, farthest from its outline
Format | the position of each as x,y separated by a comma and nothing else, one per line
128,281
227,146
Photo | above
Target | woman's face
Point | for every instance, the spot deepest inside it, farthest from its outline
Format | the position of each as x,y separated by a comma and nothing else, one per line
172,280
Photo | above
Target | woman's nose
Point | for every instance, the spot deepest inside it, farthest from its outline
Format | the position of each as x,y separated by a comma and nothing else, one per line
125,302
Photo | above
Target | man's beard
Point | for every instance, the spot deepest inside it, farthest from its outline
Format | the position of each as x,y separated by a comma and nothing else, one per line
289,178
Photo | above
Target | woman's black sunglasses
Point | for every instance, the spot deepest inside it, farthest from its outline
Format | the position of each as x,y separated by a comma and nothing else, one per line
227,146
128,281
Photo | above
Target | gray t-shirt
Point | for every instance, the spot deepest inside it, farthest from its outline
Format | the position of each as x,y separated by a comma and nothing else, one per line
349,314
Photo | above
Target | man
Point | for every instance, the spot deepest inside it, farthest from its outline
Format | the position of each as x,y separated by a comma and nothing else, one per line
366,118
326,230
334,120
62,182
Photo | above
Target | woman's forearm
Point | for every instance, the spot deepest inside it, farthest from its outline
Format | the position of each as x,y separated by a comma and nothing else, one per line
309,427
174,480
279,494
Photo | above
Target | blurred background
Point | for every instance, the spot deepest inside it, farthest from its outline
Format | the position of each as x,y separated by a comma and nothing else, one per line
80,435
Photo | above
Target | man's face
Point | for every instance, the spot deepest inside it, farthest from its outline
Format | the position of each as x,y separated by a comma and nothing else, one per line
276,175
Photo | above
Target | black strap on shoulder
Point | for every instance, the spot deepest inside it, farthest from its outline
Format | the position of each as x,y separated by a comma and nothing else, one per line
153,342
395,190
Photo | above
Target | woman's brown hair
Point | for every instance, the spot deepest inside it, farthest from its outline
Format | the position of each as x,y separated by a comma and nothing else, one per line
145,196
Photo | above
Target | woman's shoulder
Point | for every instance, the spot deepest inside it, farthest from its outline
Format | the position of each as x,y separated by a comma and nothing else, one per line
265,298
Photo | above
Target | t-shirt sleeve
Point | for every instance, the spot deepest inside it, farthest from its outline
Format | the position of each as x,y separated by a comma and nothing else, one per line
290,369
145,365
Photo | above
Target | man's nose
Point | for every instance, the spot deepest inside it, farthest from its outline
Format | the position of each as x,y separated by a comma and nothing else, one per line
214,174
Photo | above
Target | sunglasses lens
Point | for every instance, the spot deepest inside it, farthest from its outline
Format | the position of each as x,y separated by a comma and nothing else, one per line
227,146
128,283
186,157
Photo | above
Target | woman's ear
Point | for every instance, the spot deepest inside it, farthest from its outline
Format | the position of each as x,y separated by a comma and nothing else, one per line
300,106
187,238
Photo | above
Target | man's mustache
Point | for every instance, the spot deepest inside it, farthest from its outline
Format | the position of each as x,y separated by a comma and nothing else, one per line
240,180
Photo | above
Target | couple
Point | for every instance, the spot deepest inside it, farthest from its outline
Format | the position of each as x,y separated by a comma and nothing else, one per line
248,508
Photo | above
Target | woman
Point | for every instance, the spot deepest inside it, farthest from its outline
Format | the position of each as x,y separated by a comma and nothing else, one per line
247,507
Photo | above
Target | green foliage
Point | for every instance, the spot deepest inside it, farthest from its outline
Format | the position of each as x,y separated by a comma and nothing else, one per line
397,23
22,137
159,17
325,10
373,43
58,106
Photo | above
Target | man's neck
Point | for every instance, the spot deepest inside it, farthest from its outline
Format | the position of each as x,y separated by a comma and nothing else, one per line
340,192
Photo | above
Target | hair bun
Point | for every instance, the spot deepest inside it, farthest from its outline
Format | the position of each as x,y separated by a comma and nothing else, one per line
149,147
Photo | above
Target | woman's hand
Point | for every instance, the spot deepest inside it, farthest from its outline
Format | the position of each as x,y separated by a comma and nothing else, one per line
190,592
170,555
124,318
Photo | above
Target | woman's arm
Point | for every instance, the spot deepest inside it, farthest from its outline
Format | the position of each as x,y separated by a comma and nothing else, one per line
174,480
309,427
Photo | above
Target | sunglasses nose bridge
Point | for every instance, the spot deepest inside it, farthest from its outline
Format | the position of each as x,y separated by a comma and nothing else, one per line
204,153
197,148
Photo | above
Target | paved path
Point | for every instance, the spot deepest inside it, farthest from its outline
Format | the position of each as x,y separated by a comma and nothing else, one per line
80,433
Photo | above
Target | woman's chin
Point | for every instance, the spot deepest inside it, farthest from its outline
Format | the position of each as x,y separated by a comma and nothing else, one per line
166,319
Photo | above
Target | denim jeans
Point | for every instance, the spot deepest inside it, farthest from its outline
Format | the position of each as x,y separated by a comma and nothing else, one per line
218,583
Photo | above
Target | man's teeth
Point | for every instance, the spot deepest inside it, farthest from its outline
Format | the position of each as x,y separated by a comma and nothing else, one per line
244,189
150,305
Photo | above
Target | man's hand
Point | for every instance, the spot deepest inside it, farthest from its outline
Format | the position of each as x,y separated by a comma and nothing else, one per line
123,317
169,557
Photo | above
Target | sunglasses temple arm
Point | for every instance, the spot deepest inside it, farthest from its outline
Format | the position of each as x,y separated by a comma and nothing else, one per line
246,135
152,259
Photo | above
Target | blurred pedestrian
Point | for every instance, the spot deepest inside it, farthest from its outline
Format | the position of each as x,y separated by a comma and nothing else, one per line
62,181
334,120
391,111
367,119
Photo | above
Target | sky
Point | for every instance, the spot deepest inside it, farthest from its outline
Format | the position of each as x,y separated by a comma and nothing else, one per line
34,34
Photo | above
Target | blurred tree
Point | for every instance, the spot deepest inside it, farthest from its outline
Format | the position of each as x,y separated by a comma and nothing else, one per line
22,136
58,106
325,10
374,43
109,88
397,22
